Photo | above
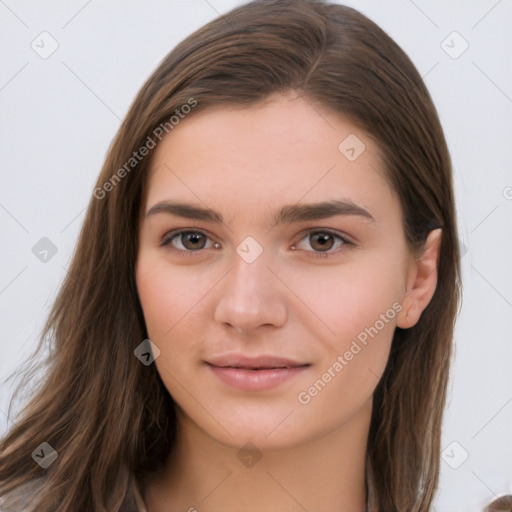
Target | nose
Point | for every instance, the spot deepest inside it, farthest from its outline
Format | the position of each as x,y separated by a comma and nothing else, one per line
251,296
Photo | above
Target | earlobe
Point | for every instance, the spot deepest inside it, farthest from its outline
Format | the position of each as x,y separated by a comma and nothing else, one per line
423,282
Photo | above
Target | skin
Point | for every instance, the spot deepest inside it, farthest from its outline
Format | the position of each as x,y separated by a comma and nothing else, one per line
292,301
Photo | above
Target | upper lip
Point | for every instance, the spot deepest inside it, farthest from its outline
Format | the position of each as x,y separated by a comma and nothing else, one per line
258,362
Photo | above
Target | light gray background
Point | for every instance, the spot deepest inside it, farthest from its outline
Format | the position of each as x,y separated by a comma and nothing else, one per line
59,114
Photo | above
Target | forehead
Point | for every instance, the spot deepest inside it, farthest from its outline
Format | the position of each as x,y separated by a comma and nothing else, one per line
284,150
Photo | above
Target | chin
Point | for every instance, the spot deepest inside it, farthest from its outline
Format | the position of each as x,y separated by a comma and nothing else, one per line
275,426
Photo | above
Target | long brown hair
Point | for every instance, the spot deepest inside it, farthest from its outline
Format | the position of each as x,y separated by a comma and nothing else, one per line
109,417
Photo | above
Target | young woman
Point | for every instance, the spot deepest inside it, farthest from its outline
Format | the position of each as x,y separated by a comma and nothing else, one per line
259,312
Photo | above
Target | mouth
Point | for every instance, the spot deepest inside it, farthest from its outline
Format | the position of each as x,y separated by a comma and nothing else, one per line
255,373
263,362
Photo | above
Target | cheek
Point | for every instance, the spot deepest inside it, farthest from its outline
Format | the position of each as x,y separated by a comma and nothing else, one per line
353,360
174,308
167,295
344,300
359,305
156,299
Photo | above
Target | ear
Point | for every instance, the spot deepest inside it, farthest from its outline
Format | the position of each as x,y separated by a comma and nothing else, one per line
421,282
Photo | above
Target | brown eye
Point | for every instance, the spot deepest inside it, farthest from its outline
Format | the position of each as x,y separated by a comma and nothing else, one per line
321,241
193,241
188,241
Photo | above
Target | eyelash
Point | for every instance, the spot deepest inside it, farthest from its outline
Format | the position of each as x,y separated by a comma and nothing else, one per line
167,241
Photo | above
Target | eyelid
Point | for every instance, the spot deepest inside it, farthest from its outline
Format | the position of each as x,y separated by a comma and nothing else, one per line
345,239
170,235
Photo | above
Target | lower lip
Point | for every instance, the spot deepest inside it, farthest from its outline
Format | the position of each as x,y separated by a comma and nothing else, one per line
255,380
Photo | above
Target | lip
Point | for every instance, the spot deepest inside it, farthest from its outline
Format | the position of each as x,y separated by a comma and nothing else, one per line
254,373
263,362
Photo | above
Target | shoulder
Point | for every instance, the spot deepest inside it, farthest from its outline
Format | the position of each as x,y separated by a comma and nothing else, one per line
22,498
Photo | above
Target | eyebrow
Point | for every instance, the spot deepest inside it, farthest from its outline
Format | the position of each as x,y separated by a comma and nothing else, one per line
286,215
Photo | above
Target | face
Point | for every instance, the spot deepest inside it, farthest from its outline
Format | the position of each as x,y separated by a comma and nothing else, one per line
271,270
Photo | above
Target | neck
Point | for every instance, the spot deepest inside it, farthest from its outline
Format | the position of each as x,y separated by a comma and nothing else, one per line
323,474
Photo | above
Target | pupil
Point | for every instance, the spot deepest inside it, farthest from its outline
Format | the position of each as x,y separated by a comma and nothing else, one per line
193,239
322,240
